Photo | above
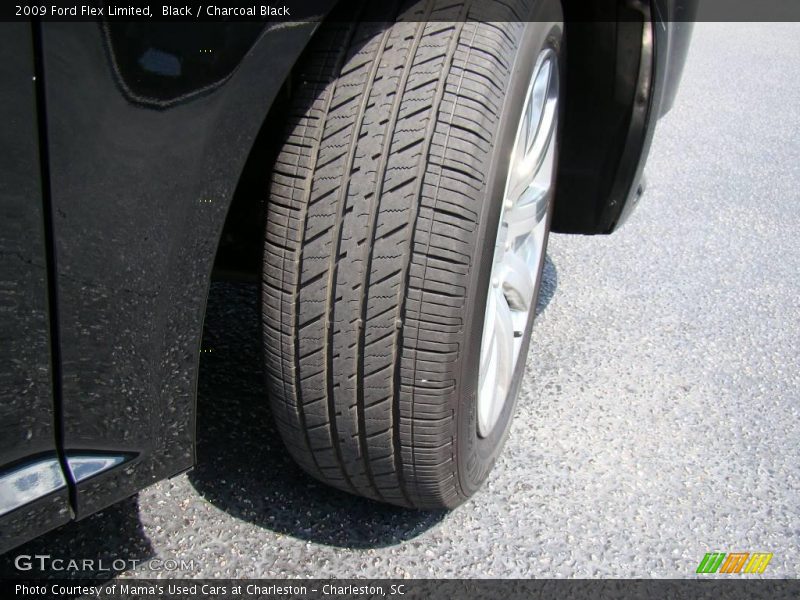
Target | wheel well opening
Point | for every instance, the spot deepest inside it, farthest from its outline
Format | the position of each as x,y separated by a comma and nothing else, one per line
604,45
239,252
603,55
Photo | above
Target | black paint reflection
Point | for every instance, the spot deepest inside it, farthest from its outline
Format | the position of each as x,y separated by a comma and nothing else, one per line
26,405
139,200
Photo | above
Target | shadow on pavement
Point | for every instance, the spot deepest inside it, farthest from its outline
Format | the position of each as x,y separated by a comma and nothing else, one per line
113,534
243,467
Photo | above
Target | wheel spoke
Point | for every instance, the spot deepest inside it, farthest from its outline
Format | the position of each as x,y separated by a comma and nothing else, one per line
538,128
526,214
538,100
497,358
504,342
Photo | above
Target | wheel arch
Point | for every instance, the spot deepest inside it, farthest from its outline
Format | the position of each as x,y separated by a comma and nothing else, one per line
612,105
609,100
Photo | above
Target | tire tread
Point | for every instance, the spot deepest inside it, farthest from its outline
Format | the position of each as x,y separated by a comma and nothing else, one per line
371,231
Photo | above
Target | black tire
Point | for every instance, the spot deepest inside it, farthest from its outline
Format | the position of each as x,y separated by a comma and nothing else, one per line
383,209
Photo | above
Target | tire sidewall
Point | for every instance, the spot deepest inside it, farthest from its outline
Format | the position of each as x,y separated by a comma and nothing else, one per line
476,455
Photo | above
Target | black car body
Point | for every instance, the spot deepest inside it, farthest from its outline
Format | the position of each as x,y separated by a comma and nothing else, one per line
128,158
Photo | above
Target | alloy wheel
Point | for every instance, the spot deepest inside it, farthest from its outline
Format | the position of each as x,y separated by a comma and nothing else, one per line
520,242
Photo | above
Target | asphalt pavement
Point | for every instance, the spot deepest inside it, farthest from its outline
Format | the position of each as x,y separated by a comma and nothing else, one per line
660,414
